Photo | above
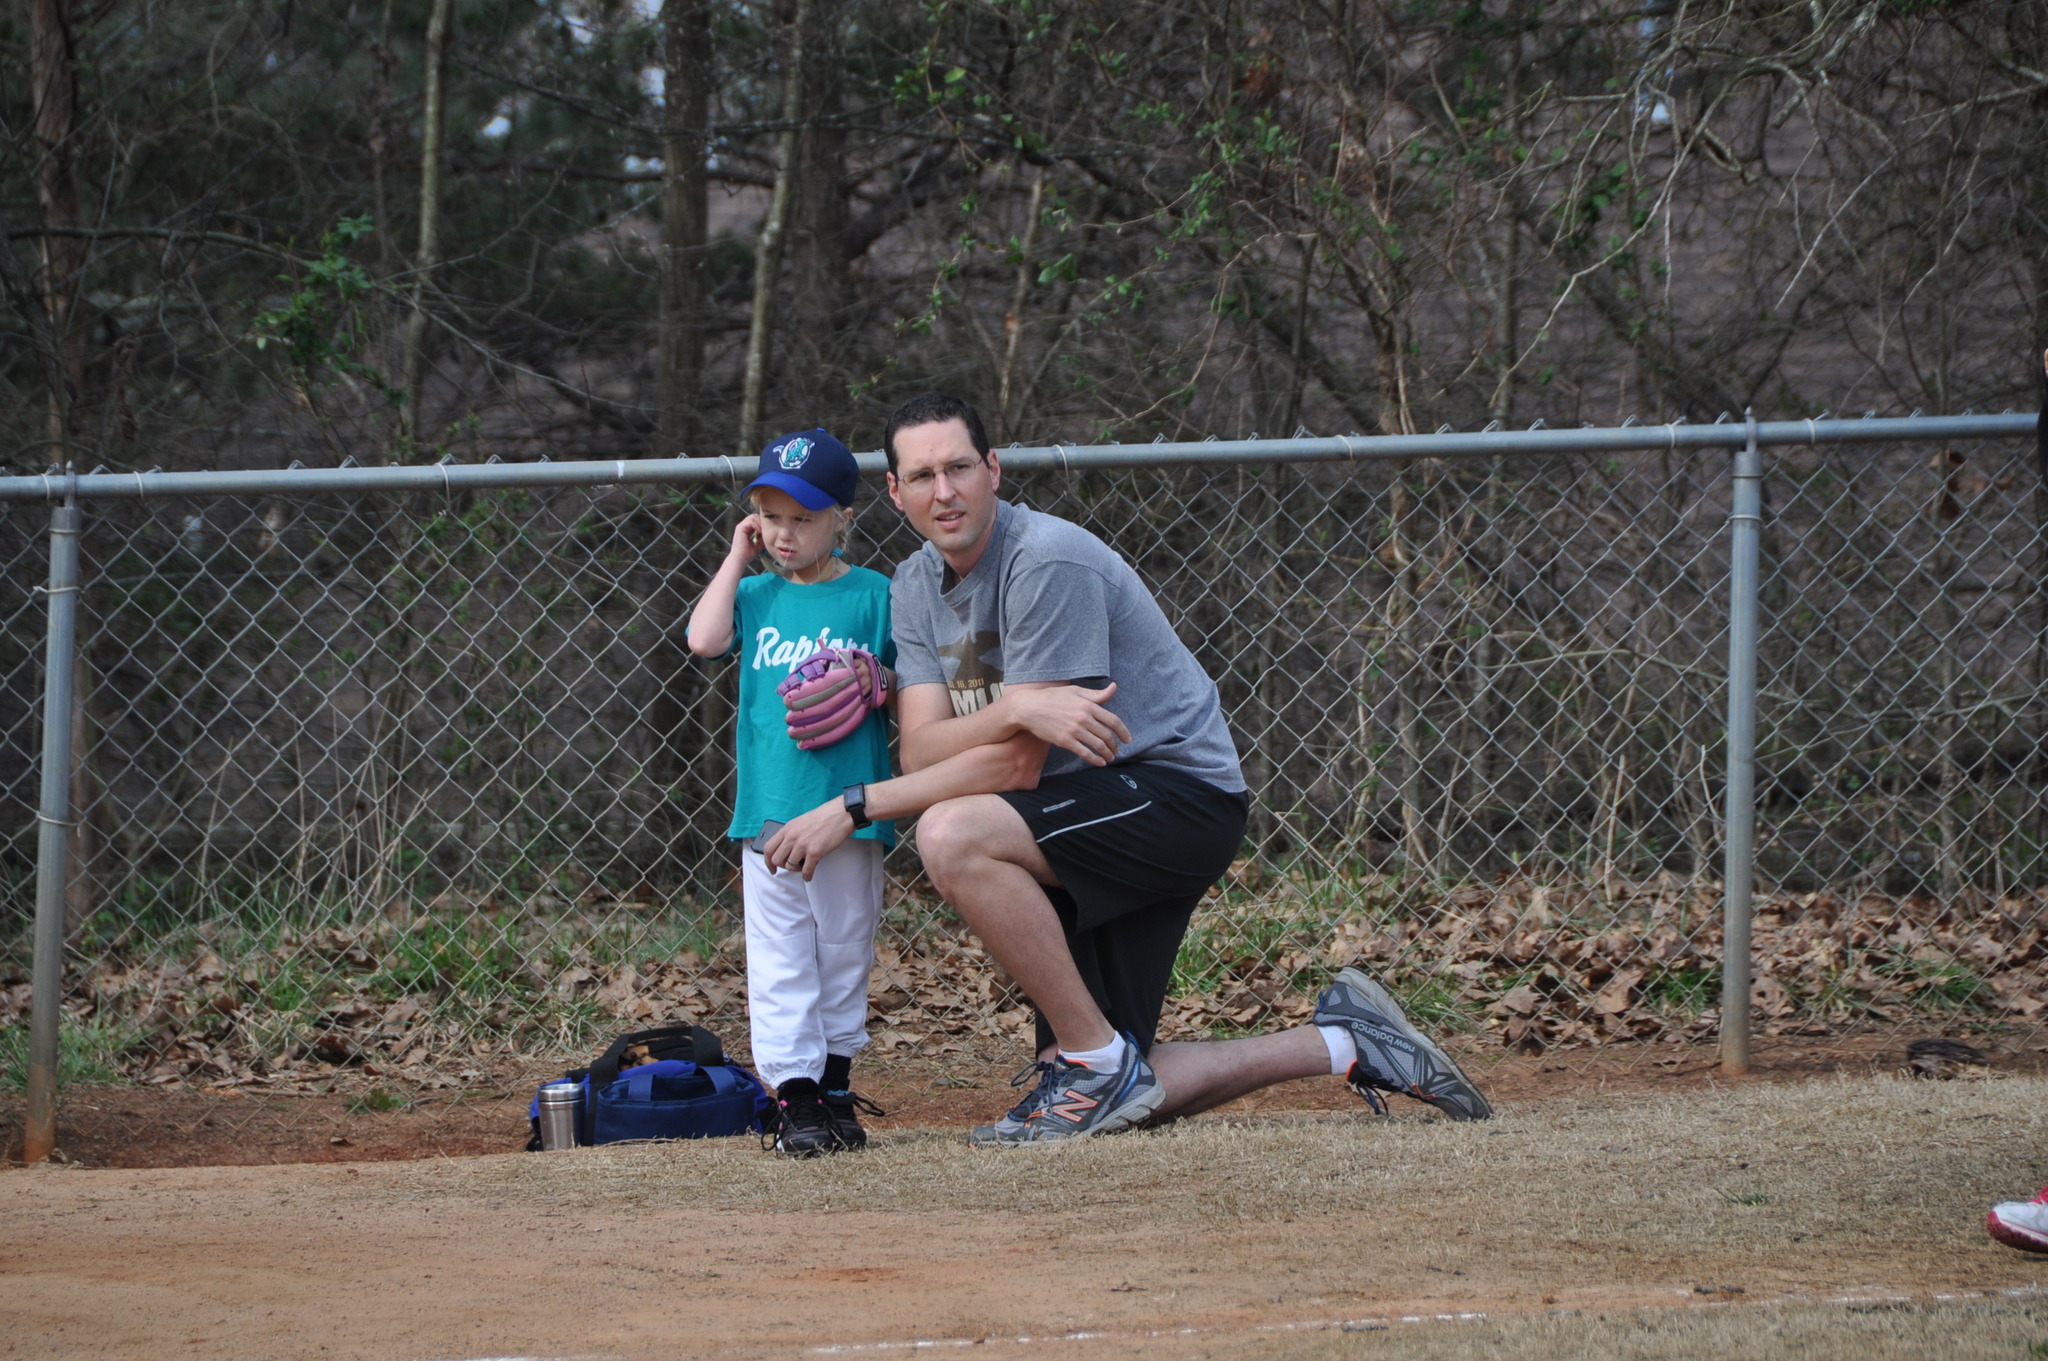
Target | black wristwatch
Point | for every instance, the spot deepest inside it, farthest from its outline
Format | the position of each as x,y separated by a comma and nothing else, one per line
856,797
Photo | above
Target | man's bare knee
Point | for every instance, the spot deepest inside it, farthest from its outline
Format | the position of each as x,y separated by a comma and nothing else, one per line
945,839
958,834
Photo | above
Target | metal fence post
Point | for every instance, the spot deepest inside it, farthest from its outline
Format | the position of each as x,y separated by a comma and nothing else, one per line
39,1133
1738,872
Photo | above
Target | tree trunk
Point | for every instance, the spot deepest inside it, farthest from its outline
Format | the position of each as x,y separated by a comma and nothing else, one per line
1007,416
768,248
380,143
1507,338
686,109
428,253
818,219
55,79
1297,344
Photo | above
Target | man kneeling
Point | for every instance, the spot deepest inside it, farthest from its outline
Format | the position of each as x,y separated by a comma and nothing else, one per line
1080,794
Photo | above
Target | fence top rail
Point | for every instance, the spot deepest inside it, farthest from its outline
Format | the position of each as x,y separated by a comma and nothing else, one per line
450,477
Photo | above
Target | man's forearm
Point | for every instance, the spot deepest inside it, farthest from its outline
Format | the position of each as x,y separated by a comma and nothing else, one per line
992,768
808,838
930,743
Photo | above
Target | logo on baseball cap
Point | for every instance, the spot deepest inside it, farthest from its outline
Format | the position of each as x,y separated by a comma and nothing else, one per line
811,466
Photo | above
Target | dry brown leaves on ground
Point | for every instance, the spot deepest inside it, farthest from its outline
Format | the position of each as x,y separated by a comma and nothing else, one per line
1519,957
1519,961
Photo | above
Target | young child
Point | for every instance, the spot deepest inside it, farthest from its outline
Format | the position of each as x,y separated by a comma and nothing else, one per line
811,945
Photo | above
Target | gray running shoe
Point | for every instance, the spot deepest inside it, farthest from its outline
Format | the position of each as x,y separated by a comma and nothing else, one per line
1015,1128
1393,1056
1073,1102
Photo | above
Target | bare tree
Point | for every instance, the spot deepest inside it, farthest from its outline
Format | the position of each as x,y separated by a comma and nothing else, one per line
686,103
1185,217
768,246
54,80
428,253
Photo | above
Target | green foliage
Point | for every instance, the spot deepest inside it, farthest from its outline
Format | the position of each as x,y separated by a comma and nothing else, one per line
1063,270
89,1050
322,326
1433,1004
1685,990
439,957
377,1101
1940,983
1605,189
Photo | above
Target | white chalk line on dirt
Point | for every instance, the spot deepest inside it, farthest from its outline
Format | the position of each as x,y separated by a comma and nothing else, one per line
1865,1296
1351,1325
1379,1322
2015,1292
586,1356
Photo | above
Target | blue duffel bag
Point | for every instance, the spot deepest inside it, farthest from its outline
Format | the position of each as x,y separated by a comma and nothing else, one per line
698,1097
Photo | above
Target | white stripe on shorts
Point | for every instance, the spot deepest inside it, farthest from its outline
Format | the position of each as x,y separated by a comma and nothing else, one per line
1092,821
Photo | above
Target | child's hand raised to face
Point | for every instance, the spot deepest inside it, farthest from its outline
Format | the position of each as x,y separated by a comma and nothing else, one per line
746,538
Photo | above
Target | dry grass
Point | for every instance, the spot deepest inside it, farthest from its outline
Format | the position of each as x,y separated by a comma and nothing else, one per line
1873,1160
1840,1217
1740,1218
1888,1332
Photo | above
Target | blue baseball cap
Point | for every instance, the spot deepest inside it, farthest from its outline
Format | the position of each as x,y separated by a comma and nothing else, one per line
812,466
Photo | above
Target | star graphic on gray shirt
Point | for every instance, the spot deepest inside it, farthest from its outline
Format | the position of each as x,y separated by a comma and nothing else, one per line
974,678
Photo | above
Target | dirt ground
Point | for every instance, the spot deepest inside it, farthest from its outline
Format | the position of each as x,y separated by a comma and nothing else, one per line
1671,1215
124,1125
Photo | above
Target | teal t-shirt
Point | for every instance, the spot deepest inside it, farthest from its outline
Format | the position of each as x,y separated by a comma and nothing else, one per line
777,624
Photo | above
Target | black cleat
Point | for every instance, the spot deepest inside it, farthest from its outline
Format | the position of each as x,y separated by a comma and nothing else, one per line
803,1129
842,1111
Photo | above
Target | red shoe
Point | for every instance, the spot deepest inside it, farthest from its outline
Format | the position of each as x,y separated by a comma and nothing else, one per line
2021,1224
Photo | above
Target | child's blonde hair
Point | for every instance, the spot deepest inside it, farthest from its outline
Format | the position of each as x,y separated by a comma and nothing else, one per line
842,530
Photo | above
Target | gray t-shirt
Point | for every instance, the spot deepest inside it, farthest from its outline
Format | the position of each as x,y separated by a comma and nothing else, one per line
1048,601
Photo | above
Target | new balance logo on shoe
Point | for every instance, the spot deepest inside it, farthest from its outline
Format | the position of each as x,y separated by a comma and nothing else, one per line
1074,1106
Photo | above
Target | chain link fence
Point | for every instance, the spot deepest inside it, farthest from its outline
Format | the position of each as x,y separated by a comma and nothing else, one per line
1900,748
424,787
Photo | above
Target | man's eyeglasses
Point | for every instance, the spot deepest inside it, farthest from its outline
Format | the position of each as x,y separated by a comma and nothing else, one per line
957,471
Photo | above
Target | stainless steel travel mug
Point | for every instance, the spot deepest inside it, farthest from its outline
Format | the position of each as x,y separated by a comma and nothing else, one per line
559,1102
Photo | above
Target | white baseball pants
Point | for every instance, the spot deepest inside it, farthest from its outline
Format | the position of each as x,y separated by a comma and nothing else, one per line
810,948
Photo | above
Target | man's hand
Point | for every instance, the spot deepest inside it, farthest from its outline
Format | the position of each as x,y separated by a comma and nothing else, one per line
806,841
1070,717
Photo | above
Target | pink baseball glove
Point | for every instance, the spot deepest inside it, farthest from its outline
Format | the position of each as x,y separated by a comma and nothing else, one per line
830,692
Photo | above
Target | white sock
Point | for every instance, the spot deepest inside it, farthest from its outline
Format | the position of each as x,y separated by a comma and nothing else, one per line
1104,1060
1343,1049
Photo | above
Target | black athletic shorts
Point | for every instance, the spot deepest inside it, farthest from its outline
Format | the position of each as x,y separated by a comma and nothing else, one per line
1135,848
